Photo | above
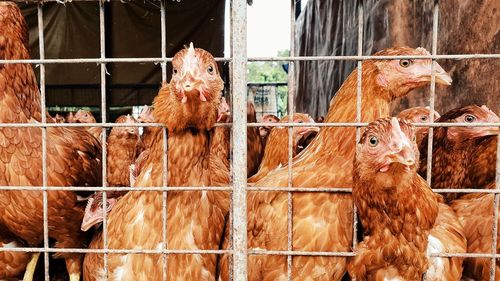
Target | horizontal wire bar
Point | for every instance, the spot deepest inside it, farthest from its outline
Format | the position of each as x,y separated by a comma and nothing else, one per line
299,253
352,254
254,59
97,60
114,251
301,189
110,188
360,124
372,57
80,125
340,124
218,252
227,188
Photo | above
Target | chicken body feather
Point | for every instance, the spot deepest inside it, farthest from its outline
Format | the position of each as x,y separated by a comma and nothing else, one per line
195,219
475,212
73,156
323,221
276,148
396,207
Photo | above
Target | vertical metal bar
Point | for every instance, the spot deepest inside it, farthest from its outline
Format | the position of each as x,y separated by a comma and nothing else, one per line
164,201
435,22
165,141
41,44
495,213
163,42
291,111
358,107
231,137
239,87
102,39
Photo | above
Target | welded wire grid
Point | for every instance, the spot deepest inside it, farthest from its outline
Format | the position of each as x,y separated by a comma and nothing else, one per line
238,223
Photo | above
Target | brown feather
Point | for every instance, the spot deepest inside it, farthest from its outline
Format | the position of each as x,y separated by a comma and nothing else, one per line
276,148
396,207
73,155
255,148
195,218
321,221
475,212
463,157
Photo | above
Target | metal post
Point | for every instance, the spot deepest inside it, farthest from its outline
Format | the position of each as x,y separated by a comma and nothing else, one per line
102,39
432,92
165,142
41,44
291,111
358,108
495,214
239,87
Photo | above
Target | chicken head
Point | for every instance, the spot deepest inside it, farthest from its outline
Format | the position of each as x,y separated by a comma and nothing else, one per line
84,116
146,115
128,119
94,210
195,73
268,118
403,75
419,115
470,114
192,97
386,149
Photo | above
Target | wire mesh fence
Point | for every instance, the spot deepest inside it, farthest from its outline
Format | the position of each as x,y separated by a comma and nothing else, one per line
238,72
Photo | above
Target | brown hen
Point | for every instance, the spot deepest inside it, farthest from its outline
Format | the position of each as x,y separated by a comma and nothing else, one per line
188,107
148,133
323,221
11,263
73,155
419,115
124,146
255,148
475,212
276,149
463,157
265,130
85,116
396,207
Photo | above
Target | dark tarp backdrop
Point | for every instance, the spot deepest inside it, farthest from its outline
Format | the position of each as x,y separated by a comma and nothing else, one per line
329,27
132,30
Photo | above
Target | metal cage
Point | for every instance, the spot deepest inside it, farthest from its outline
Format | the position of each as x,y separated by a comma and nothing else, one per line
238,72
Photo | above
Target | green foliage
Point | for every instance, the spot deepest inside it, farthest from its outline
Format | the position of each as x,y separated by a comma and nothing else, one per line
271,72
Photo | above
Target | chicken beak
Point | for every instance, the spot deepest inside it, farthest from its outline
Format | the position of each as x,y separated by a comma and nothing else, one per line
400,148
442,77
492,131
188,84
306,130
405,156
91,219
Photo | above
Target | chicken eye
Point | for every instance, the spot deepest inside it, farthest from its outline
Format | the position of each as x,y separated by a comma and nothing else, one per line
300,121
414,139
423,118
373,141
175,71
210,69
405,63
470,118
